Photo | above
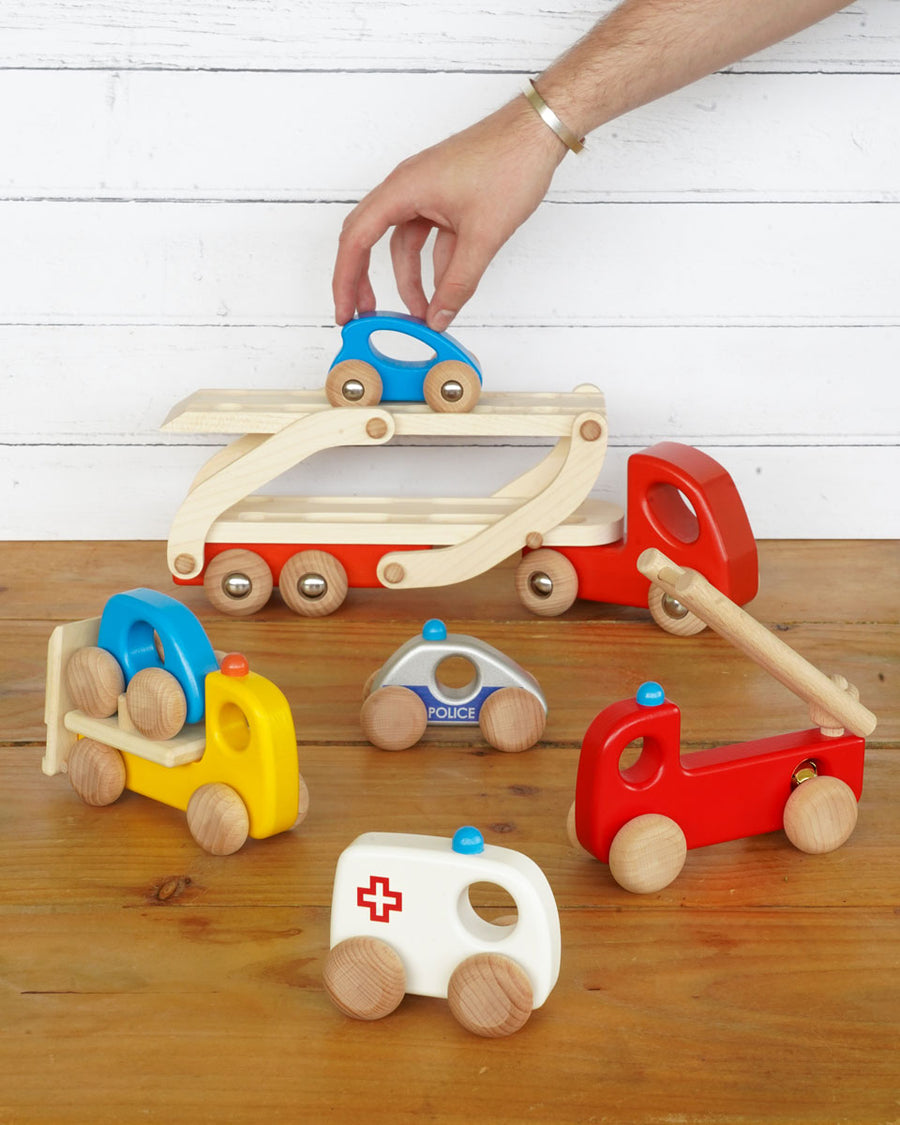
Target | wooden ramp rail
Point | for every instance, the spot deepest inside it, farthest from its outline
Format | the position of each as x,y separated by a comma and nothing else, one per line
526,524
284,429
544,414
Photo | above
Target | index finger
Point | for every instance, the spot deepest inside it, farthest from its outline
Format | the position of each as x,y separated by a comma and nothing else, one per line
364,226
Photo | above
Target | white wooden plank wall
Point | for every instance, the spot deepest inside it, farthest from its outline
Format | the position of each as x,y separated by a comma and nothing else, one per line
725,264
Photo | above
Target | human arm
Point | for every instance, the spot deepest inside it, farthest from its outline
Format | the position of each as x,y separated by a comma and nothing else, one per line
478,186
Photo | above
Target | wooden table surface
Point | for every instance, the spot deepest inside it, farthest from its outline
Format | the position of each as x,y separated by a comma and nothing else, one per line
144,980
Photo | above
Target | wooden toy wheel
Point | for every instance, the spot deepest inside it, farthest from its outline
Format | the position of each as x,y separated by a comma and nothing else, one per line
365,978
313,583
546,582
302,804
647,853
572,833
238,582
95,681
96,772
353,382
820,815
512,719
156,703
490,995
393,718
218,819
367,686
451,387
671,615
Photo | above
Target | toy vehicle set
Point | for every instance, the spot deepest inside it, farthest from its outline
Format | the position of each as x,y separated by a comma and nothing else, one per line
138,698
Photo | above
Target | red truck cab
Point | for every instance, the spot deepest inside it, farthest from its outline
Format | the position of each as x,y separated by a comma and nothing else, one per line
681,501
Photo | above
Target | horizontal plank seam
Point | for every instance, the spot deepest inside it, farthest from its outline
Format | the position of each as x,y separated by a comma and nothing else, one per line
760,324
620,904
743,322
482,750
712,441
885,68
694,197
716,198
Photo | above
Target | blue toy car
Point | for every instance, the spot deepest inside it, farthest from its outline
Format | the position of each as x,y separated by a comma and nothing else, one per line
361,375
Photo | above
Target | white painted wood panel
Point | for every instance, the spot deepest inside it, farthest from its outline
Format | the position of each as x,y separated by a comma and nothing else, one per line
133,492
378,35
732,385
225,135
231,263
724,264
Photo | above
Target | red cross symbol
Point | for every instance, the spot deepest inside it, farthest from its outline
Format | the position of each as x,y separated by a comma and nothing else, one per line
379,898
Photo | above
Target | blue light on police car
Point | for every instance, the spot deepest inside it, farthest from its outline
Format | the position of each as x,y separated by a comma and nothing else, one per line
434,630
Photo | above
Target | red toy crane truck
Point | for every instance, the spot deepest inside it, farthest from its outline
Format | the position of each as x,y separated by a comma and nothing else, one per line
644,818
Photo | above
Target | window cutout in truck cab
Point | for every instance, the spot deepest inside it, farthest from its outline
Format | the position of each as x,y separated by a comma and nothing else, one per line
673,513
234,728
640,763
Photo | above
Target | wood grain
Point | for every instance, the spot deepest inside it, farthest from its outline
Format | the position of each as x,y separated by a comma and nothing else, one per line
215,131
392,34
141,978
49,488
61,581
71,377
170,212
113,262
706,1015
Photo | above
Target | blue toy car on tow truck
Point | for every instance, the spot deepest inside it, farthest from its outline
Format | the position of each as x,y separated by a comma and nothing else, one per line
362,375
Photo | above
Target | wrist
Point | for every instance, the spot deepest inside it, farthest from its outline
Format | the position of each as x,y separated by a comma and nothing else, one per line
555,124
528,132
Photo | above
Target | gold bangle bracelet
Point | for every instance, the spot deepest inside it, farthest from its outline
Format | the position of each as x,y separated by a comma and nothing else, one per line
550,119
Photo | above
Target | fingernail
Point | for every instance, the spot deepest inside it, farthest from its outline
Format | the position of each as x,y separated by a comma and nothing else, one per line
443,319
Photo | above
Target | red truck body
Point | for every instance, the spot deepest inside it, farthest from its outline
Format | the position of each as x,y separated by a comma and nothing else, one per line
724,793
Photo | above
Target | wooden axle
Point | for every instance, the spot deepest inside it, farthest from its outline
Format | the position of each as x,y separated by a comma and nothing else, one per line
787,666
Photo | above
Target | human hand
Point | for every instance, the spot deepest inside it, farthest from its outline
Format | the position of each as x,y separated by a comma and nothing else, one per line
475,188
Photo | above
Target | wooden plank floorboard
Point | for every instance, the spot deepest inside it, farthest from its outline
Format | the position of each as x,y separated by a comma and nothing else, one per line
662,1016
581,667
137,852
143,979
800,580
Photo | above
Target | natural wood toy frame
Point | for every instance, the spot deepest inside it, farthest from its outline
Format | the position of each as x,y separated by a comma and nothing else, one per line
239,543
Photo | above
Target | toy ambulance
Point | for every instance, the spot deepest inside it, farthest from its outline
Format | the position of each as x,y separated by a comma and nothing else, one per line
402,921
